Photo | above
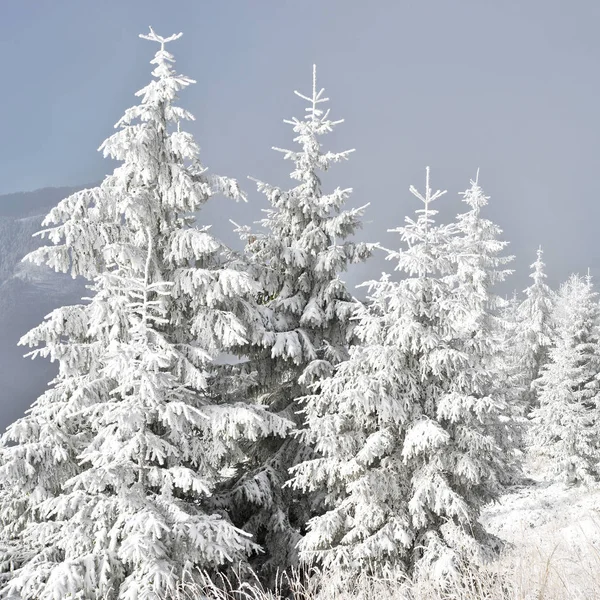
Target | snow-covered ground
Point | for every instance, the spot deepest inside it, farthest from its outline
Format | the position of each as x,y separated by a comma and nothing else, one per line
554,534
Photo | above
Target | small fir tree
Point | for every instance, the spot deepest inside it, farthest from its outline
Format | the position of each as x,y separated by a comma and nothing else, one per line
566,425
105,482
479,268
298,259
406,428
511,380
534,333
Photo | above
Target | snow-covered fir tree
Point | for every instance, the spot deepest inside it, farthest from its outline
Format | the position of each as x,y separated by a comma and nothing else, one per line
508,310
566,424
405,428
479,268
510,374
298,256
534,331
105,480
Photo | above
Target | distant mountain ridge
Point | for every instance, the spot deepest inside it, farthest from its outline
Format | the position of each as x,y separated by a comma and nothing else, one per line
27,294
38,202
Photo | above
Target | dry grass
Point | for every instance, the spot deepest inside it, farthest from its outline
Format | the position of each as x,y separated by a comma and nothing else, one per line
554,571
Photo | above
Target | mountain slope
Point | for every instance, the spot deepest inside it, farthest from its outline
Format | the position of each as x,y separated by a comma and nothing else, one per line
27,294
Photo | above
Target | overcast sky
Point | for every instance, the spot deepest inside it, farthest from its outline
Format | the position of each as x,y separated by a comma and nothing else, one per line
510,87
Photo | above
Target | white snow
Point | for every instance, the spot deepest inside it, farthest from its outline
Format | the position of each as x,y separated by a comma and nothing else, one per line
553,533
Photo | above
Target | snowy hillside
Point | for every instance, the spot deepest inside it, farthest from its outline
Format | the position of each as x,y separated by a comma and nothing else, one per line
553,532
27,293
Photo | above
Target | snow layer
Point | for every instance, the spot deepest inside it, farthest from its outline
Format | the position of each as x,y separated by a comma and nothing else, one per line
553,532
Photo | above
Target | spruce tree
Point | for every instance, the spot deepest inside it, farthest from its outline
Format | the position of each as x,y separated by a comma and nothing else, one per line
480,266
298,257
406,428
534,331
511,380
105,481
566,425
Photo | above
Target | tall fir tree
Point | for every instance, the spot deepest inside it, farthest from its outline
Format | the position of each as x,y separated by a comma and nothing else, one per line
480,266
566,425
534,331
298,258
105,482
405,428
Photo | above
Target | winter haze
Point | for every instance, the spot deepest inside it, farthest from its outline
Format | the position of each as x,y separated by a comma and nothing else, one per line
509,88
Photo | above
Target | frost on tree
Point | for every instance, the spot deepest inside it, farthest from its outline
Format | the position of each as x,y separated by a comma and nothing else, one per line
566,425
105,481
534,332
405,428
298,257
511,377
480,266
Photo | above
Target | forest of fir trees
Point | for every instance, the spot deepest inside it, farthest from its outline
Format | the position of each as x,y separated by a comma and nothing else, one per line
363,437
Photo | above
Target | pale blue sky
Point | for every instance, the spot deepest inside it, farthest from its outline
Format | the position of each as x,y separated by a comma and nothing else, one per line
508,86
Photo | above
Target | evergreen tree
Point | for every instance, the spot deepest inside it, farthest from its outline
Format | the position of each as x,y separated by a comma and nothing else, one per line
405,427
298,258
508,311
479,267
566,425
534,334
105,481
510,378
